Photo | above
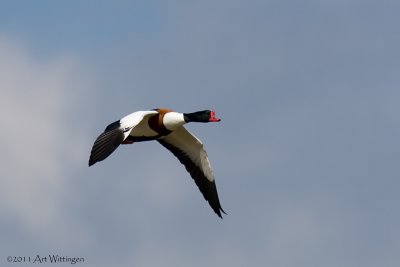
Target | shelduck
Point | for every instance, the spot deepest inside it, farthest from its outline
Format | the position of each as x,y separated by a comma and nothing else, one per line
165,126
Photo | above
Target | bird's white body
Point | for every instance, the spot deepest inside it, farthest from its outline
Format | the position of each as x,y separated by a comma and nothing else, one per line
173,120
140,121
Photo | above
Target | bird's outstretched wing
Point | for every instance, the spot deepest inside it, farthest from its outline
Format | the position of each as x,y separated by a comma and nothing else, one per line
190,152
115,134
106,143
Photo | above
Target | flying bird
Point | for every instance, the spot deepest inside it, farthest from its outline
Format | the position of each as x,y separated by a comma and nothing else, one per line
165,126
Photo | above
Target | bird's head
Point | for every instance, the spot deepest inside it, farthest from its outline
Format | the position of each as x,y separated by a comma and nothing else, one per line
201,116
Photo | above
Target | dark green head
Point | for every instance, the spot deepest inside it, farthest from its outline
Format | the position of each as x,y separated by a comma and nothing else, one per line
201,116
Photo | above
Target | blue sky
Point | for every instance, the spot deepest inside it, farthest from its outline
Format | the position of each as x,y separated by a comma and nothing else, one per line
305,157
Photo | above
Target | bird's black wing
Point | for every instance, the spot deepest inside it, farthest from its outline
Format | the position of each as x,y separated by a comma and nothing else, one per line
107,142
190,152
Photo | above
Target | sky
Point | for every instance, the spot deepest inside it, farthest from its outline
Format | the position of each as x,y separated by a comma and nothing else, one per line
305,157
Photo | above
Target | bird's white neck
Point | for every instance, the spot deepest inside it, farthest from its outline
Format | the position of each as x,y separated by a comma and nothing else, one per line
173,120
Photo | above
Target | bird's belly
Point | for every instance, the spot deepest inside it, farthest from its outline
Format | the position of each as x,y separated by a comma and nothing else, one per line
143,130
141,136
134,139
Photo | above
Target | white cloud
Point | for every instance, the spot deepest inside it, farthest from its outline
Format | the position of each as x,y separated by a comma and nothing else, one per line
37,99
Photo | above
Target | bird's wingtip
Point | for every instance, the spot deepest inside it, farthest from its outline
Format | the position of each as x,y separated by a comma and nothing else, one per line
219,213
91,162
